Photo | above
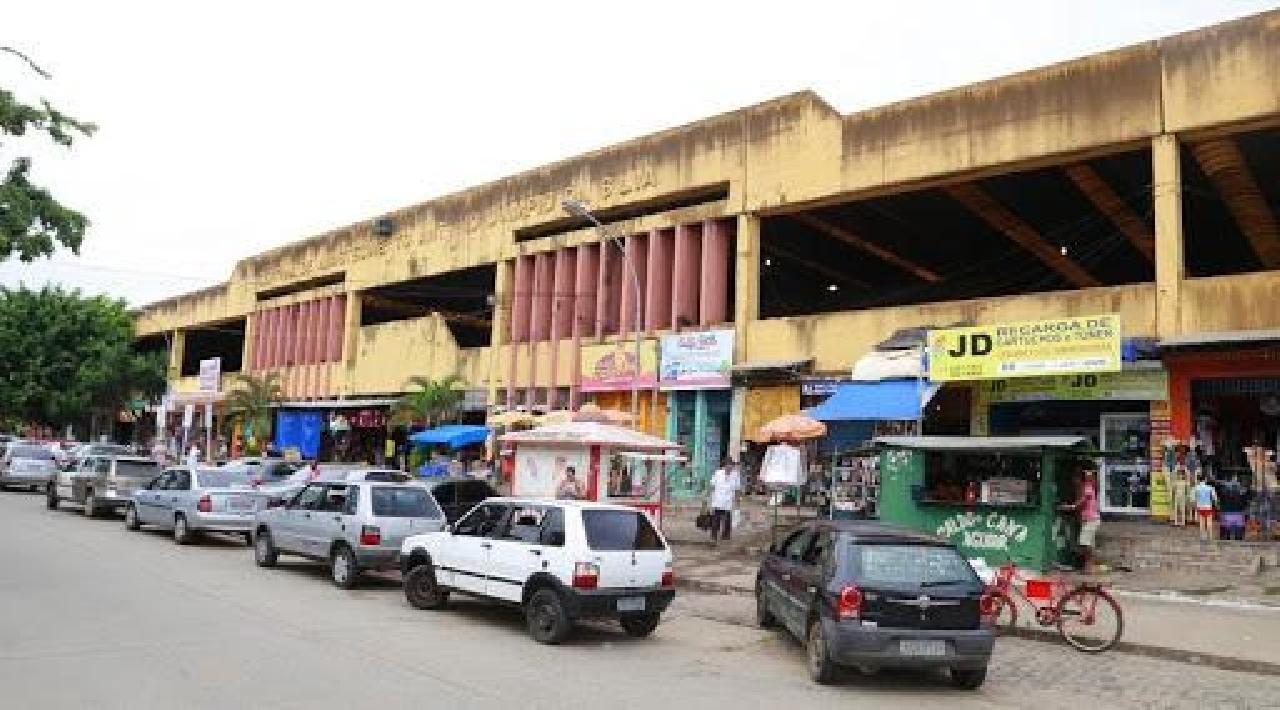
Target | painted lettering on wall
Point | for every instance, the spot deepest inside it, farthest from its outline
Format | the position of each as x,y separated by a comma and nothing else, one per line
982,531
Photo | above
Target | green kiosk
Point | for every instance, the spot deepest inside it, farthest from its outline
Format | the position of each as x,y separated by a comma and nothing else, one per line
995,497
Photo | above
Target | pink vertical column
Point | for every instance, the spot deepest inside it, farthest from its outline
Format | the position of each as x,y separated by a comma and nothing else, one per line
322,330
521,299
255,327
337,327
277,336
714,284
290,336
686,276
635,259
609,289
657,310
586,267
540,316
304,333
564,278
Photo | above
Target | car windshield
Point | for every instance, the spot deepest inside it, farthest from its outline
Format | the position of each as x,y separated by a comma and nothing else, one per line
910,565
620,530
403,502
137,469
32,452
223,479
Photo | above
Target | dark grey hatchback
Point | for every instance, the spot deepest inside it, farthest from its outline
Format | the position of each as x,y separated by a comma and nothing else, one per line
872,596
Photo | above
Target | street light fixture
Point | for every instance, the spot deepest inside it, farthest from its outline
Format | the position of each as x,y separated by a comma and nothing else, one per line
578,208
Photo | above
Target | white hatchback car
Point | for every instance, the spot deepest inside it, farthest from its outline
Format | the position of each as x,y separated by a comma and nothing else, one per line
559,560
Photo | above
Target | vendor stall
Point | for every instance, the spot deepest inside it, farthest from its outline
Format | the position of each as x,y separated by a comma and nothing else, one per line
591,461
994,497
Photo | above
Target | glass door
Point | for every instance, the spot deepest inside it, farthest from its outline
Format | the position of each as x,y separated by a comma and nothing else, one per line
1126,471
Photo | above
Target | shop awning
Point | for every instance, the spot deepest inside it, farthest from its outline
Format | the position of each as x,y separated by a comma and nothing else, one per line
452,435
884,400
980,443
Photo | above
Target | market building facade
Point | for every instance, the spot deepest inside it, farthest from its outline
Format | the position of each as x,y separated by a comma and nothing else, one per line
1142,183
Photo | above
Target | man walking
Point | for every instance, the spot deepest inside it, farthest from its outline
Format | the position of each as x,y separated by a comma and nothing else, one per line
725,484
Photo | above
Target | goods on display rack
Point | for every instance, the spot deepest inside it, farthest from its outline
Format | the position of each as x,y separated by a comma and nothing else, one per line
855,484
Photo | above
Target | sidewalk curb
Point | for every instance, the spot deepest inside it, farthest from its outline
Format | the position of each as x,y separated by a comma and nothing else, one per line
1195,658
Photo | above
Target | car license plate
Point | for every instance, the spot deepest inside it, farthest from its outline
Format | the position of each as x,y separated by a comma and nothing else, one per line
240,503
631,604
922,648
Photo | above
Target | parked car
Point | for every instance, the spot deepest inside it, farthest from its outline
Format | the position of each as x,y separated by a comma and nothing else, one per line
102,483
457,495
27,464
76,455
190,502
354,524
559,560
874,596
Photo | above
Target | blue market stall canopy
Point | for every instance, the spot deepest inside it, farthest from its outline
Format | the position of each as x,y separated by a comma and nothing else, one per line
452,435
883,400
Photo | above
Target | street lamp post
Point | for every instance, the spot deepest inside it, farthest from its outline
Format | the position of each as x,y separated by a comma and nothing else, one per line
578,208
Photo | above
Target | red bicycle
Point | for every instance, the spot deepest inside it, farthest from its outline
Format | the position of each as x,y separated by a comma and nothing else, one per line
1085,613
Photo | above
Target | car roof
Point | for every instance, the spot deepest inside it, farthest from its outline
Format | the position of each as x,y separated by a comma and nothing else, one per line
130,459
869,530
580,504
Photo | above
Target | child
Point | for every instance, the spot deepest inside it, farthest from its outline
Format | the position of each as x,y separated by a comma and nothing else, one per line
1206,499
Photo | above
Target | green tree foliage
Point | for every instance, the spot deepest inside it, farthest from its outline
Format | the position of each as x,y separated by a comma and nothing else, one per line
32,221
64,356
432,401
254,397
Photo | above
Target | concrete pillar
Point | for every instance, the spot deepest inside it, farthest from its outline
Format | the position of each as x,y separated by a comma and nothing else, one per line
306,322
657,309
248,350
635,260
500,331
521,298
177,348
351,329
586,273
543,291
713,304
608,289
1170,249
746,282
686,276
322,330
337,327
274,341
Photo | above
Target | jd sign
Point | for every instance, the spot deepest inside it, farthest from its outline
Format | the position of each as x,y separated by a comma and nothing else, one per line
1033,348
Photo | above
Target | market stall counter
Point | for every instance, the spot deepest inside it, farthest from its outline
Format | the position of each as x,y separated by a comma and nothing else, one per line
996,497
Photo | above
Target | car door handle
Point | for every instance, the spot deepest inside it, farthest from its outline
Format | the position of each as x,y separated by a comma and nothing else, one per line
337,518
486,545
535,552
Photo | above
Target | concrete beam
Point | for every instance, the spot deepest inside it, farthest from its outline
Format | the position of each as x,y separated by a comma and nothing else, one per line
1222,161
1166,172
1007,223
1097,191
830,272
844,235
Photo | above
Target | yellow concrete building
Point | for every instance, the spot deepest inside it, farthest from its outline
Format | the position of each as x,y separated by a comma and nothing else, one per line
1142,181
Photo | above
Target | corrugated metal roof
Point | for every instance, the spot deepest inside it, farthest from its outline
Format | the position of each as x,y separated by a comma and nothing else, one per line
1225,337
980,443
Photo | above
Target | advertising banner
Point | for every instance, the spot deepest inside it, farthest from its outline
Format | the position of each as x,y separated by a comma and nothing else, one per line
611,367
210,374
1131,385
700,360
1058,346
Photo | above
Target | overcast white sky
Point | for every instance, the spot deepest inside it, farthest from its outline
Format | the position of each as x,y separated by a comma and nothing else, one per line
228,128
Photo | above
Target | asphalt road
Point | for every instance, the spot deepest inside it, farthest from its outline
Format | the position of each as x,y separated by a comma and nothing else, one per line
94,616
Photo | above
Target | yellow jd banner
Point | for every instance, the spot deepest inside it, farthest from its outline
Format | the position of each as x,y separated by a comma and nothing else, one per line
1034,348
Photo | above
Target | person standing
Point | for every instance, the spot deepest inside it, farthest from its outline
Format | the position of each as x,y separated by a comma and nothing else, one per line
1206,499
1090,517
569,488
725,485
193,456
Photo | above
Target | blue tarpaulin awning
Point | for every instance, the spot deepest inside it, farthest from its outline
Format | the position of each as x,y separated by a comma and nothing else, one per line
883,400
452,435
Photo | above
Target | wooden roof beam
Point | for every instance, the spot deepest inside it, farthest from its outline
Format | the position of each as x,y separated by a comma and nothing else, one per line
1022,234
1222,161
853,240
1097,191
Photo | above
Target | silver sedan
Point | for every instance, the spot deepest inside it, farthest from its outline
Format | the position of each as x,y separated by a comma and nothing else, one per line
27,464
191,501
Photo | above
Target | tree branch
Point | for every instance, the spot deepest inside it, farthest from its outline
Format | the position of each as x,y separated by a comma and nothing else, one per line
30,62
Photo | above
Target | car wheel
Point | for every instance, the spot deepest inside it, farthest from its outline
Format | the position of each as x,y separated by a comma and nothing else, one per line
131,518
422,590
343,569
90,505
764,618
639,625
969,678
248,539
181,530
548,621
51,498
821,669
264,550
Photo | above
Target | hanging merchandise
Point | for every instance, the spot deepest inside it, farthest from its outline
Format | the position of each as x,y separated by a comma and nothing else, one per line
783,465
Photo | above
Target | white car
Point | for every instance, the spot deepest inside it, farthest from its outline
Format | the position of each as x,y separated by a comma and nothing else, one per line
559,560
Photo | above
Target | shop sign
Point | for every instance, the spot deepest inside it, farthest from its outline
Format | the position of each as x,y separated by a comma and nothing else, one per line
210,374
610,367
978,531
818,388
1085,344
699,360
1139,385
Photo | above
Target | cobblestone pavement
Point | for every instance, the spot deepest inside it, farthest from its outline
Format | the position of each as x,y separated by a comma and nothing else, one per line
1043,675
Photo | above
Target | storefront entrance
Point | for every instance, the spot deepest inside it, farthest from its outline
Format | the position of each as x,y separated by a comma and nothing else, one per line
698,420
1126,476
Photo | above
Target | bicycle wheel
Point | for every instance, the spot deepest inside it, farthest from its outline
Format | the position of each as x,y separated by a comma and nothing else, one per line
1090,619
1003,611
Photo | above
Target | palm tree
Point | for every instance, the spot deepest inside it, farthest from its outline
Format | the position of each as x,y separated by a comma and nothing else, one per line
431,401
254,398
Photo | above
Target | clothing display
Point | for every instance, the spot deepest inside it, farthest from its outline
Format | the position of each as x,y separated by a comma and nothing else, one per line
783,465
